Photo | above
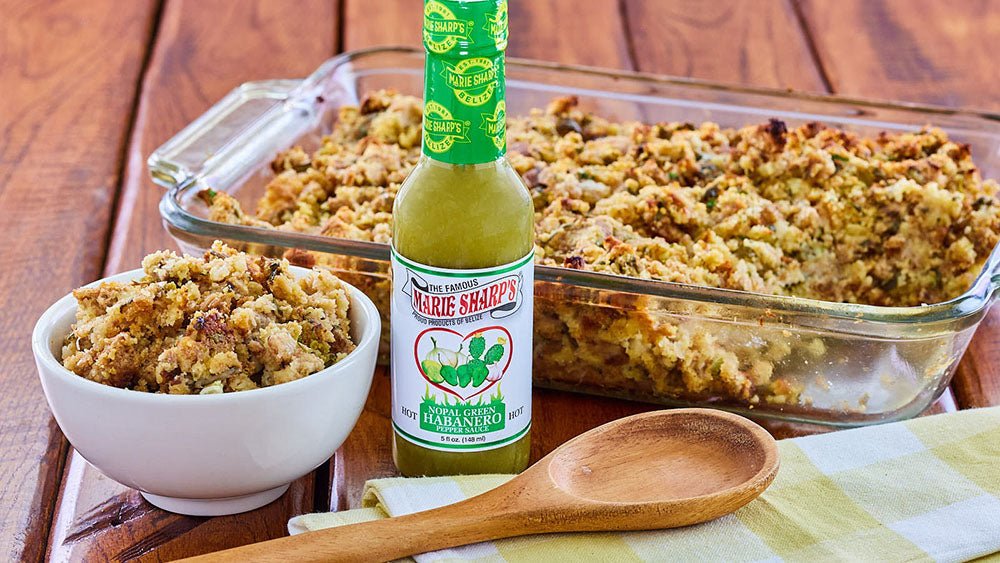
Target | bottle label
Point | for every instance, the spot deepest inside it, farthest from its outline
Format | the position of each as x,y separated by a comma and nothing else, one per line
461,354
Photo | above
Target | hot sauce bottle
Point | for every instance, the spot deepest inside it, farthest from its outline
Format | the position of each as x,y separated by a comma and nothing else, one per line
462,263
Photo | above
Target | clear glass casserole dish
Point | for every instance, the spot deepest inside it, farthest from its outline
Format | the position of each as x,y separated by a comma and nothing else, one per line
784,357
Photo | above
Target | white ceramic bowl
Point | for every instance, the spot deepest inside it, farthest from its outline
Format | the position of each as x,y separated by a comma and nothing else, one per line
207,455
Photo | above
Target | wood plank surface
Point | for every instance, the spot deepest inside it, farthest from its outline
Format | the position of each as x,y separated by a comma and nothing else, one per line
569,32
921,51
100,520
756,43
915,50
596,36
203,49
69,73
398,23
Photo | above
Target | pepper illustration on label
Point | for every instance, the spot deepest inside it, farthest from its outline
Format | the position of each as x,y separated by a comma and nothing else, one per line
463,373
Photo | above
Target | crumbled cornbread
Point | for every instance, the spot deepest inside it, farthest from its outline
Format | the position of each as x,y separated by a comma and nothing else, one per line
898,220
227,322
811,211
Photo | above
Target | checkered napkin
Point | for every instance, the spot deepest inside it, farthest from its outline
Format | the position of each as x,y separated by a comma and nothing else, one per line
925,489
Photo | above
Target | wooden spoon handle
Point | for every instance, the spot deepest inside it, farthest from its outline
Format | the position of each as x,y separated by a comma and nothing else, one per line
463,523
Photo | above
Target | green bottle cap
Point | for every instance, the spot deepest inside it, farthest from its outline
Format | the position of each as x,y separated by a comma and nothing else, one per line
465,27
465,118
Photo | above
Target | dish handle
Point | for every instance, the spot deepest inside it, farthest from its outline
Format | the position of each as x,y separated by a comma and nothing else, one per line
995,281
249,125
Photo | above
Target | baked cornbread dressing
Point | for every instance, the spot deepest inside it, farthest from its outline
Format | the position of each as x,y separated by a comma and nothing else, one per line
897,219
225,322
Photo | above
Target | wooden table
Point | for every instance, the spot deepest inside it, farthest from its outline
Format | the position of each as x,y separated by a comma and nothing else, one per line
89,88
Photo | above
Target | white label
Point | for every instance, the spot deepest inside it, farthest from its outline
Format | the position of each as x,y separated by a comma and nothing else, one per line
461,354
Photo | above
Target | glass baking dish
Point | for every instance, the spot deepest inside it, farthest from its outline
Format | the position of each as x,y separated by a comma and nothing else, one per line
784,357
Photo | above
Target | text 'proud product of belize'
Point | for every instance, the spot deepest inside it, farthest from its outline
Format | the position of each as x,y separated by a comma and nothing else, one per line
462,263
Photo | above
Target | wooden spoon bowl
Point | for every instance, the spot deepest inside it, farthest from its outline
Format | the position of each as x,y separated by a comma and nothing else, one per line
654,470
668,457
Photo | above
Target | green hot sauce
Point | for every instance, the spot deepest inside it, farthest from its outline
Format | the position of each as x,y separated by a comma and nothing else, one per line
462,263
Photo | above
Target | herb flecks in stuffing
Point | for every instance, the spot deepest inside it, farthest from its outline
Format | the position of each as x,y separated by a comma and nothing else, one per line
805,210
226,322
900,219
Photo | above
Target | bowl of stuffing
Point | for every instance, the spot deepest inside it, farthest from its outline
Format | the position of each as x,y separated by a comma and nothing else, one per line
208,384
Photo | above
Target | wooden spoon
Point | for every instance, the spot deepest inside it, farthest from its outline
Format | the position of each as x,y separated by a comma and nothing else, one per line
659,469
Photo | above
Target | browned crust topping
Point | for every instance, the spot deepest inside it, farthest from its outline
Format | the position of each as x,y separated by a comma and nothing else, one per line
812,211
900,219
226,322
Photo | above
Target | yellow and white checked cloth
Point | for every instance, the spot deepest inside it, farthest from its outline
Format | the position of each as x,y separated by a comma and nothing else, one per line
924,489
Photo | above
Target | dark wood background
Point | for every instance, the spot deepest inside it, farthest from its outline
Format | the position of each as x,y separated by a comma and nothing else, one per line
89,88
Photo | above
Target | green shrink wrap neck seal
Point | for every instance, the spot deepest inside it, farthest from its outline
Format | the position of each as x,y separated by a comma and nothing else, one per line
464,95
